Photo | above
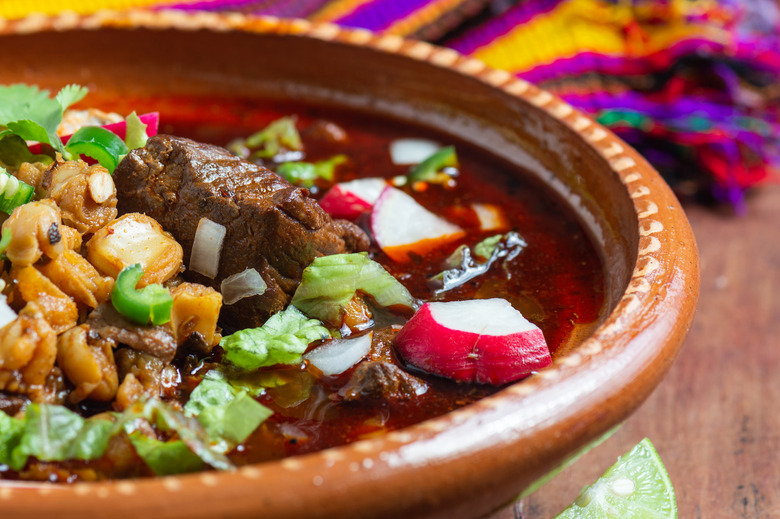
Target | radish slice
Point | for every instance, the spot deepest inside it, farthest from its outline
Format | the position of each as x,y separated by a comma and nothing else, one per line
401,226
491,217
484,340
351,199
412,151
338,355
151,120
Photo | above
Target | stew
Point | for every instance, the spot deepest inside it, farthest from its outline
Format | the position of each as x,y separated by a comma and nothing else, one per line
262,280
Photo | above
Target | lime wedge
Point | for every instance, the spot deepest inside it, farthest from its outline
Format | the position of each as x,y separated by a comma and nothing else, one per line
636,487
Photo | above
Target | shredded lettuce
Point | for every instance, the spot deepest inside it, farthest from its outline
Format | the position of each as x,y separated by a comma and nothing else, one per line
229,415
269,142
330,282
281,340
52,433
30,113
165,457
135,132
187,428
306,173
11,432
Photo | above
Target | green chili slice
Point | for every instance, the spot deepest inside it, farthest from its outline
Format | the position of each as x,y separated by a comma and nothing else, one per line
100,144
13,192
426,170
151,303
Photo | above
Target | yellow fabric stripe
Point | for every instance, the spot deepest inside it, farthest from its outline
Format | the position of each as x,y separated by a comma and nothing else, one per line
13,9
580,26
338,9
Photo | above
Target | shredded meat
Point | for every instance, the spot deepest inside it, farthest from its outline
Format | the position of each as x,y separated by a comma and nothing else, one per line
105,322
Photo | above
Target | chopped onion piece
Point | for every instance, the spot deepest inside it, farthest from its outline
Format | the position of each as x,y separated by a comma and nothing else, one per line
244,284
412,151
6,312
207,247
491,217
338,355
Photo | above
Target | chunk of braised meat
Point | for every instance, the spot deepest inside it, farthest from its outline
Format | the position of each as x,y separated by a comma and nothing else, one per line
11,404
381,376
106,323
271,226
379,380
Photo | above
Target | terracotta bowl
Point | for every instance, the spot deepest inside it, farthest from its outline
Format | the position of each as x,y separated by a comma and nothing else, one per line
474,460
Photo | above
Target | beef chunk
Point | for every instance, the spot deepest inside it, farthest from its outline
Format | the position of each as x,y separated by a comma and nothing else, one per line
271,225
108,324
379,380
11,404
381,377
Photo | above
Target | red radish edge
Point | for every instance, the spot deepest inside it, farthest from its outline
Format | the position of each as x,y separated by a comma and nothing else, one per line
401,226
349,200
151,120
440,339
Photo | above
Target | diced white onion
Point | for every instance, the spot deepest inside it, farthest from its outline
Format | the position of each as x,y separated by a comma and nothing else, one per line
412,151
207,247
244,284
491,217
6,312
337,356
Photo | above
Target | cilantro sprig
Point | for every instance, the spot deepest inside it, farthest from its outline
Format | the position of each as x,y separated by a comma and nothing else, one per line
29,112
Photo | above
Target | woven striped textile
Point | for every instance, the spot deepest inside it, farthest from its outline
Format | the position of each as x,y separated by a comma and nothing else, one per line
692,84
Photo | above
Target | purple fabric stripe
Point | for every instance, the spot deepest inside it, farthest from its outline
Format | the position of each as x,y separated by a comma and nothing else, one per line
584,62
210,5
380,14
300,9
501,25
618,65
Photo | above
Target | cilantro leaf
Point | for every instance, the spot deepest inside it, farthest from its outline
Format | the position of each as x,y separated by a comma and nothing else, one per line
30,113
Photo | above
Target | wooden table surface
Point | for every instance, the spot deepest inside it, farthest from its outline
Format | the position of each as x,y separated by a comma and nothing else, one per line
713,419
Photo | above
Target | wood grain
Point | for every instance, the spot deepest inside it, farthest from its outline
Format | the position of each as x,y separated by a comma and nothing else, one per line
713,419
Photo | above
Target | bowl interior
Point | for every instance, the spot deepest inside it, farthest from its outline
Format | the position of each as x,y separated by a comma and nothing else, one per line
471,461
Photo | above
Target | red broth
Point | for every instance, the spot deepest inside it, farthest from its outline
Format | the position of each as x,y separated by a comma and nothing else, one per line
557,282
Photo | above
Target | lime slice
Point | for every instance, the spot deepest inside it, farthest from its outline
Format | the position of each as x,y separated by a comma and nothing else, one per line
636,487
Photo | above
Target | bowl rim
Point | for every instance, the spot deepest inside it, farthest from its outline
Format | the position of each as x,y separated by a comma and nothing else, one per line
656,280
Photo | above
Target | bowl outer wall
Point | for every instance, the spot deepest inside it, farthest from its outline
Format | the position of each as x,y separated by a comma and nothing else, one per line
471,461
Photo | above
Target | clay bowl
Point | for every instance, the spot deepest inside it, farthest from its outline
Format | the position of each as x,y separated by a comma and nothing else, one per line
466,463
